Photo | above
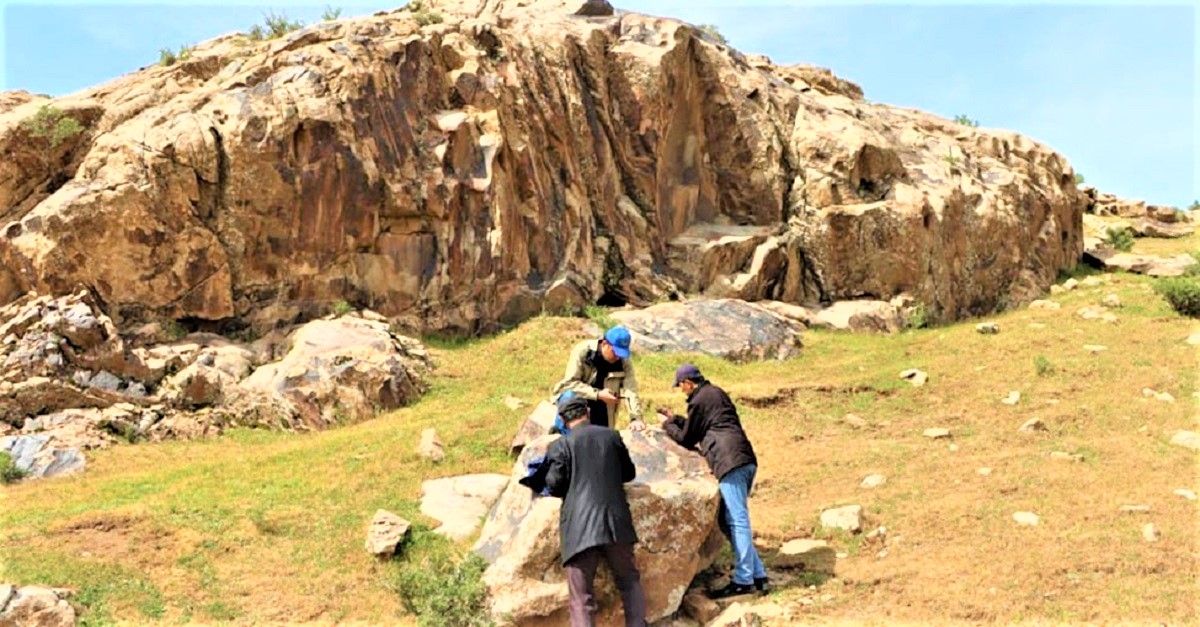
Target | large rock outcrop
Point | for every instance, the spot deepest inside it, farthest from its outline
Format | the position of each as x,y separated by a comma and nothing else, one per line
514,158
674,500
69,382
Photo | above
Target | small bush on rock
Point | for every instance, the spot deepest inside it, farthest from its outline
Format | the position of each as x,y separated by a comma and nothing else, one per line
1183,294
1120,239
9,473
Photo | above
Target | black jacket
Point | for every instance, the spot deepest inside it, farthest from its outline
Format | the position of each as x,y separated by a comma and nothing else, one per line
587,470
713,428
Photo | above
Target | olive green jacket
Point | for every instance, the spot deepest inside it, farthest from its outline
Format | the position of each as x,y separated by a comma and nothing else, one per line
623,384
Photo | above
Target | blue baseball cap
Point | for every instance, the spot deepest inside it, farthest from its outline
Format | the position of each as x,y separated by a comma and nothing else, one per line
619,339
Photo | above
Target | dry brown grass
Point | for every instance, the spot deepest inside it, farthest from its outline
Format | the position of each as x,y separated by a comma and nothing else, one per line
262,528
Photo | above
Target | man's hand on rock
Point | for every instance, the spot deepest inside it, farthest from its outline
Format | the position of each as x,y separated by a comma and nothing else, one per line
637,425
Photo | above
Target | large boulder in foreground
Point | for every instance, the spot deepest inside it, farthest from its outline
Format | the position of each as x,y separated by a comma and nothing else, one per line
674,501
727,328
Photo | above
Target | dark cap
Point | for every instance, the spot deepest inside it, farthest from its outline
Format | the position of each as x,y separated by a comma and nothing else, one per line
686,372
570,408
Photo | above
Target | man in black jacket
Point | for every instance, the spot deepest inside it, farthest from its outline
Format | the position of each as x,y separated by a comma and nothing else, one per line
587,468
714,429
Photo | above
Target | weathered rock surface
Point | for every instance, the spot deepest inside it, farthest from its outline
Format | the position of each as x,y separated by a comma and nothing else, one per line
459,503
69,382
1147,227
732,329
538,424
1151,265
386,532
674,501
35,606
515,158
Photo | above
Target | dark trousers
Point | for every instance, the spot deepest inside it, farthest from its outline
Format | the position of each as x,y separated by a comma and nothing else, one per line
581,575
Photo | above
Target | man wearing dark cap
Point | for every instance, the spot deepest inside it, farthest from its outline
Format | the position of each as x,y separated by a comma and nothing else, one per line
602,373
587,469
713,428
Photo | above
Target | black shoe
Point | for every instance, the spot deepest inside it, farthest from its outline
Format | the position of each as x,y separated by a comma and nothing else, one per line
762,584
732,590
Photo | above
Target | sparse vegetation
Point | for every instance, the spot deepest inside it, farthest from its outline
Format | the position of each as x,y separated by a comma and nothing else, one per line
1119,238
1182,293
168,57
1195,206
425,18
711,31
1042,365
965,121
917,316
214,522
9,473
52,126
951,158
342,308
273,27
599,315
440,588
331,14
1079,180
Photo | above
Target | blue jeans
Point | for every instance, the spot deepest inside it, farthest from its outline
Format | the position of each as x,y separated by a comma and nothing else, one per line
735,490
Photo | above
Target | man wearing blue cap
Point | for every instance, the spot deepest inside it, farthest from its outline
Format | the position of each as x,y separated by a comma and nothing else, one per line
713,428
587,468
601,372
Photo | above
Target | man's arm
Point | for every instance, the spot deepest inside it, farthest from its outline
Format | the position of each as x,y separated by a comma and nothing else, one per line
687,433
573,377
558,473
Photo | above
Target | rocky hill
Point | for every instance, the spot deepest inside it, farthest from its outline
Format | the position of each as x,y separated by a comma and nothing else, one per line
470,164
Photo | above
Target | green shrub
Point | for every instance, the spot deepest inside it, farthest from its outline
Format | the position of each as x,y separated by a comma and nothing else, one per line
342,308
52,125
1042,366
425,18
331,14
9,473
965,121
917,316
1182,293
273,26
441,589
1079,179
168,57
711,31
600,316
1119,238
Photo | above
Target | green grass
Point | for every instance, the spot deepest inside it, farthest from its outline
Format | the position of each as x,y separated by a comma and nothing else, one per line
196,531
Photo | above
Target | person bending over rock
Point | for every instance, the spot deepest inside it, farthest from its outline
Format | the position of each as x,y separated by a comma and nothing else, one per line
713,428
601,372
587,469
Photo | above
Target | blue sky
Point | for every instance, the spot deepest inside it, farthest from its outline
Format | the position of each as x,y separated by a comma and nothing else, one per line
1112,86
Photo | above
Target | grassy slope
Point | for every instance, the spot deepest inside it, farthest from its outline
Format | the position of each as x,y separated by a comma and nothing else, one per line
261,527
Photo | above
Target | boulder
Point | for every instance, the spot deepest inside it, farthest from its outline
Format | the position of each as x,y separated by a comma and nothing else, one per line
1150,265
35,606
460,503
344,369
386,532
727,328
674,500
538,424
1147,227
814,556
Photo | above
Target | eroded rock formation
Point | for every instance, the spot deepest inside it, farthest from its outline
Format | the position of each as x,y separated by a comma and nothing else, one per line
514,158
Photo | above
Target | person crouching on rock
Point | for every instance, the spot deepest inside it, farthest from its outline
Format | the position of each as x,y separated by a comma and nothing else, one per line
602,373
587,469
713,428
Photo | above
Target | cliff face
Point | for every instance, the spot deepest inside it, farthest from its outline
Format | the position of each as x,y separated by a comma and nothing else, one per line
512,159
